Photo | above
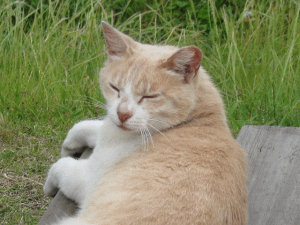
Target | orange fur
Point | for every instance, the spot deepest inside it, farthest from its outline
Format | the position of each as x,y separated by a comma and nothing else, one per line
195,172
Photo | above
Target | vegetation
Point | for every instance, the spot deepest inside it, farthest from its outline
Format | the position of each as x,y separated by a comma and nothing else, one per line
51,53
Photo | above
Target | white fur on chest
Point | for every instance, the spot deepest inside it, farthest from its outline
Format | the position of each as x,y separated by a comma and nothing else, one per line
113,145
78,178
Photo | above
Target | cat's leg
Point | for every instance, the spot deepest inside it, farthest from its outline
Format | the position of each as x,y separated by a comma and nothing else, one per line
82,135
71,176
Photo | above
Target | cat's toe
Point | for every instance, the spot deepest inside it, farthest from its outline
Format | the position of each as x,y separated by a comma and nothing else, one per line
51,184
71,144
71,148
50,190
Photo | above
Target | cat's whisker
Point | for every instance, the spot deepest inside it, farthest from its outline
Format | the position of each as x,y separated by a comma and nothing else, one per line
142,136
95,103
96,118
144,142
161,121
159,132
100,104
96,100
150,136
147,142
100,117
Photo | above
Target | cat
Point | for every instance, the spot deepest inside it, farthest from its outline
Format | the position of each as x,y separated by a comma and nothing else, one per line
163,154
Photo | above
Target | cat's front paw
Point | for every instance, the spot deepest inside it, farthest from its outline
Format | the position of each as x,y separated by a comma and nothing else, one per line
71,147
56,174
51,184
81,136
50,190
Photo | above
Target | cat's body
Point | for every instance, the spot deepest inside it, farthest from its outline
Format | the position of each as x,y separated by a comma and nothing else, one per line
191,172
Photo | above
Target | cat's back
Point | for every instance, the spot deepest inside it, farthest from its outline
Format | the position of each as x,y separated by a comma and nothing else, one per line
195,174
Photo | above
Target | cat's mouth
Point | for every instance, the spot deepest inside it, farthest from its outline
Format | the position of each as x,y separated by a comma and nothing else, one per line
124,128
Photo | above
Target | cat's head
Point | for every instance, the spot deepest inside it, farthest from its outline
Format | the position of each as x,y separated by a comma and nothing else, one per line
146,86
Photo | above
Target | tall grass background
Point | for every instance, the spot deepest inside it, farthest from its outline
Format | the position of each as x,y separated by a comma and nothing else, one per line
51,53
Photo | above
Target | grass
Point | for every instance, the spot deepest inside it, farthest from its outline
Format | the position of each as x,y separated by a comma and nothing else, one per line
49,78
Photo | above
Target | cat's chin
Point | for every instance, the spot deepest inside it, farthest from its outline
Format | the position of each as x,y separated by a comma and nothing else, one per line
124,128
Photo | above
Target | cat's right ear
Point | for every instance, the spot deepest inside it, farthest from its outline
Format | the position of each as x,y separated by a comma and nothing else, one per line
118,44
186,62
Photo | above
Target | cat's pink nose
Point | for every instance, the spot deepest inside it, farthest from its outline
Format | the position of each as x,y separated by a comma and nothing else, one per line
124,116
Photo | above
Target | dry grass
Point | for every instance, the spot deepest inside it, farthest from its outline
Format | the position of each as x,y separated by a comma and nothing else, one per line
20,195
22,174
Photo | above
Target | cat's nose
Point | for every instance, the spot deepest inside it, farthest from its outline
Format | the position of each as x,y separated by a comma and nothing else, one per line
124,116
123,111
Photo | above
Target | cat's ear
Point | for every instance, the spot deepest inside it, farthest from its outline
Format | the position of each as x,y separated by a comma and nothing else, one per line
118,44
186,62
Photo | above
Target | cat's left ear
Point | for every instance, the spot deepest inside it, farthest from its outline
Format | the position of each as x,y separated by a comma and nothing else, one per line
186,61
118,44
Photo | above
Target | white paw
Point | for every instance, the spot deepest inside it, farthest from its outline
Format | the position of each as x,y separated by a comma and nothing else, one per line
49,189
71,147
56,174
81,136
51,184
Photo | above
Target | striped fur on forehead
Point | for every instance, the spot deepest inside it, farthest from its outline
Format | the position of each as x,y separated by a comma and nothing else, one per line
145,76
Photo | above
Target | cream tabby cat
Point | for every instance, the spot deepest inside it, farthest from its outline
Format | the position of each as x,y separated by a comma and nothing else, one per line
192,171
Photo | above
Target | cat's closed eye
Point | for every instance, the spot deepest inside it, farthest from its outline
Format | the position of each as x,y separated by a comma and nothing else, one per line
115,89
148,97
